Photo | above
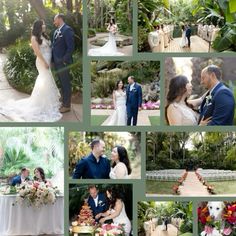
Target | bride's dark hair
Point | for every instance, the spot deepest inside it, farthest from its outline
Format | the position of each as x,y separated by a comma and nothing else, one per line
115,194
177,88
42,174
117,84
113,22
37,31
123,157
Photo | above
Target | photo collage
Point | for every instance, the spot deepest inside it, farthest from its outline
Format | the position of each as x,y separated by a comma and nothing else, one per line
117,117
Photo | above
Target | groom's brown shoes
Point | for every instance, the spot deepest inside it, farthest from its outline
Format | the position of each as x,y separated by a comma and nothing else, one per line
64,109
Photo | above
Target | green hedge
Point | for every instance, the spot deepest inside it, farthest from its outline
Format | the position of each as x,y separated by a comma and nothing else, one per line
21,71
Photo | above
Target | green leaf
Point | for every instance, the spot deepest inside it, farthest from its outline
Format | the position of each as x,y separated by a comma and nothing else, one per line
232,6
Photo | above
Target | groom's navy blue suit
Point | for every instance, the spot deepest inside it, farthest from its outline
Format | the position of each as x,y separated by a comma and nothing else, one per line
102,205
89,168
62,49
133,102
220,107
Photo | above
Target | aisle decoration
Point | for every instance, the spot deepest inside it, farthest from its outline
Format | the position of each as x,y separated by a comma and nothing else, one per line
224,227
36,194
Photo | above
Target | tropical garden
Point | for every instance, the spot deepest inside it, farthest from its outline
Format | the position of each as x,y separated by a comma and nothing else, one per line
104,76
79,147
178,214
208,156
16,19
219,13
31,148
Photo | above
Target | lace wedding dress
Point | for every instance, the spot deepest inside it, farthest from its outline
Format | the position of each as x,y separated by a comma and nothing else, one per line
184,40
108,49
119,116
43,104
119,171
189,116
122,218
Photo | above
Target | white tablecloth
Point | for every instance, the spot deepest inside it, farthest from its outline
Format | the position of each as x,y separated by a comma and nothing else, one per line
23,220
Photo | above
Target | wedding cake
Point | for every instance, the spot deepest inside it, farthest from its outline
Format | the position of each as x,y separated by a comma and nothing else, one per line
85,222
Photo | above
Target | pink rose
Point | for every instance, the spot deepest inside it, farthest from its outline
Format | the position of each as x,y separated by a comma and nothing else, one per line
227,231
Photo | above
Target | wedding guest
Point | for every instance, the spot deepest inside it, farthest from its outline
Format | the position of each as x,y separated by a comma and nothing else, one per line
95,165
116,210
24,176
97,201
120,163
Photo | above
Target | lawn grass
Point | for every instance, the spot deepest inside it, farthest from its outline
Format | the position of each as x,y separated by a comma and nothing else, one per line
97,120
224,187
159,187
154,120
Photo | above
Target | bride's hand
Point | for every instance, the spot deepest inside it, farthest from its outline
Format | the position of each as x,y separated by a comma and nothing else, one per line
101,221
205,122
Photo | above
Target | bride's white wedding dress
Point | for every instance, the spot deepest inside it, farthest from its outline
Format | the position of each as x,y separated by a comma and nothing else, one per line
108,49
122,218
184,40
120,171
119,116
43,103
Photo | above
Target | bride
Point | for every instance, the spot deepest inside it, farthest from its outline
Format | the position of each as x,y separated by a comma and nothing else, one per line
183,42
119,116
116,210
109,49
43,104
179,110
120,163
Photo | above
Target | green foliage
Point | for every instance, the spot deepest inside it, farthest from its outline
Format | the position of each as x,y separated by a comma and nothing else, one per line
91,33
21,71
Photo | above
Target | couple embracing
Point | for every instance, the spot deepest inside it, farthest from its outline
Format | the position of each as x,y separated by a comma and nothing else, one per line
215,107
127,103
97,166
44,103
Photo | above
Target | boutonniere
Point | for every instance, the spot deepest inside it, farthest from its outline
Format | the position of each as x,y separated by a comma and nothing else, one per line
101,203
208,99
58,34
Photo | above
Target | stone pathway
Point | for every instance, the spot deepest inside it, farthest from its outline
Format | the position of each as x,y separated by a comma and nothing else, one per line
197,45
143,115
127,50
7,92
172,231
192,186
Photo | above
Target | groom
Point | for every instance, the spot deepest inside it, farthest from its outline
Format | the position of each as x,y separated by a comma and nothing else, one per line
62,49
188,35
133,101
219,102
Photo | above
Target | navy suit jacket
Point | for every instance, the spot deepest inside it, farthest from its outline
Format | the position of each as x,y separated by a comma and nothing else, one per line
220,108
134,97
188,32
102,204
89,168
63,46
16,180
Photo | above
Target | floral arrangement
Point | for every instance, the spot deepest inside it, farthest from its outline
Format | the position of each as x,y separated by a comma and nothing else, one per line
180,181
145,106
36,193
210,188
110,230
225,227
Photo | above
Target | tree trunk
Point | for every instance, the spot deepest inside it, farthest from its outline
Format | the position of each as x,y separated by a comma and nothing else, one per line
69,6
38,6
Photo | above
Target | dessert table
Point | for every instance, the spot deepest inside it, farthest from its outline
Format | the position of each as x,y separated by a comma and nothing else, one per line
20,219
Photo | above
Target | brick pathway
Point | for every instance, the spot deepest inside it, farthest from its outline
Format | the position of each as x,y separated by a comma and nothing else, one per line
172,231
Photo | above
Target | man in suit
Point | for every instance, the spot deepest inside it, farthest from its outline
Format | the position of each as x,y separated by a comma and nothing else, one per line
133,100
98,202
188,35
24,176
62,49
219,102
95,165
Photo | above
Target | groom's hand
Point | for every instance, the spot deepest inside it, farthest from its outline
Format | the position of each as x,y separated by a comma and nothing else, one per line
140,108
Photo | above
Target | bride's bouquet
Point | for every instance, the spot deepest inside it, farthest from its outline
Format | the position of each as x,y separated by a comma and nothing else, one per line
111,230
36,193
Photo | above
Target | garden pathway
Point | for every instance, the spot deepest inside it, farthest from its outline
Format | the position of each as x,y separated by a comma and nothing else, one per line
127,50
197,45
143,115
192,186
172,231
6,92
